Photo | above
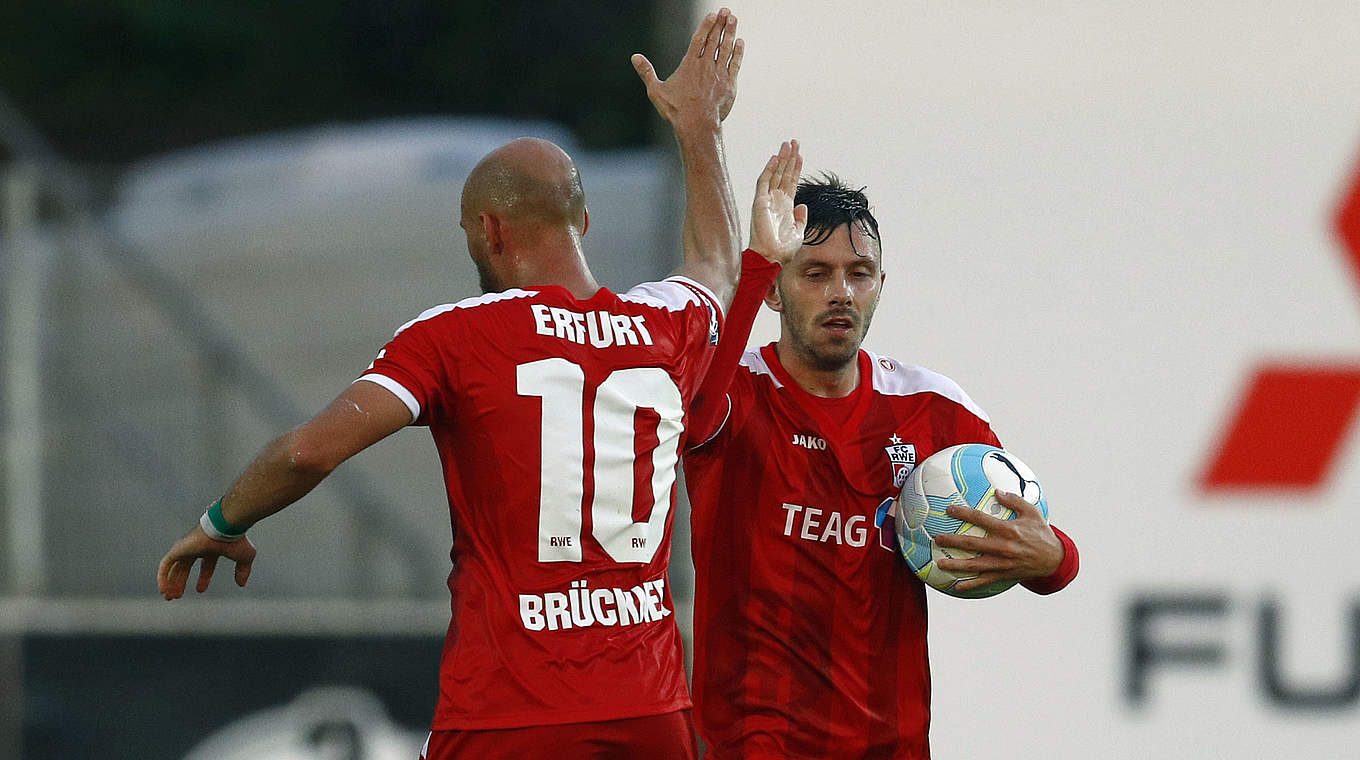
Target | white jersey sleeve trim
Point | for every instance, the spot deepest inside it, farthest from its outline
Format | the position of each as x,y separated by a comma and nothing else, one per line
673,293
893,378
397,390
702,289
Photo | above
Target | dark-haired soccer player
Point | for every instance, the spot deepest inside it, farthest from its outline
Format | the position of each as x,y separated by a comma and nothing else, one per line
810,631
559,410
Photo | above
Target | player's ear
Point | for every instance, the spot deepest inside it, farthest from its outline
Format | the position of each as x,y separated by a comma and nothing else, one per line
492,230
585,225
772,298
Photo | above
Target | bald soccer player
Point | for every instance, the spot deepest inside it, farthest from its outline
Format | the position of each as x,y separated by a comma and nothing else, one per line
559,410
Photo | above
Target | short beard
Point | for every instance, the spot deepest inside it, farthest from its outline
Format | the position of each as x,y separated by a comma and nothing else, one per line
485,278
832,357
826,359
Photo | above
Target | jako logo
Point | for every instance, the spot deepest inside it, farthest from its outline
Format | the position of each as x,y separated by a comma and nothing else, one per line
1291,421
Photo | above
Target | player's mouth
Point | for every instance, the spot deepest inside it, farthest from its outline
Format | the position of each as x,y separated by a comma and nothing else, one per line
839,325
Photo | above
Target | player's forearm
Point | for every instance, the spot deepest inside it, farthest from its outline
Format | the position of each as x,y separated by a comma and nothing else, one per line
285,471
712,228
292,464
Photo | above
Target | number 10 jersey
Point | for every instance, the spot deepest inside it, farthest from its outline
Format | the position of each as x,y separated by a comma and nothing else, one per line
559,424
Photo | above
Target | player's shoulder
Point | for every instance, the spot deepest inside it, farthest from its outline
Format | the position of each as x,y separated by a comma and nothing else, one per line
895,378
675,293
473,307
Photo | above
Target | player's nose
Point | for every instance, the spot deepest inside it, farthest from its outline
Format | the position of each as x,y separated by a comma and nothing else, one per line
838,291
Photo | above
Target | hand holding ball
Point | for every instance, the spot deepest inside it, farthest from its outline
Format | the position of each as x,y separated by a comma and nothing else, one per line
969,475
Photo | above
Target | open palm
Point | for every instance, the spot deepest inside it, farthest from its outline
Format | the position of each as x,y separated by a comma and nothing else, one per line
704,85
776,224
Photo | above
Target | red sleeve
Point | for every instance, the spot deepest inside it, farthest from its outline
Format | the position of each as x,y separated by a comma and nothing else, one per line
412,366
1067,569
711,404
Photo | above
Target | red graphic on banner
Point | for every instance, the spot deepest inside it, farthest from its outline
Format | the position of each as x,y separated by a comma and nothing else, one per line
1289,427
1293,420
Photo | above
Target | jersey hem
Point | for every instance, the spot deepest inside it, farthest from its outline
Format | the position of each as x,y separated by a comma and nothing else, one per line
556,718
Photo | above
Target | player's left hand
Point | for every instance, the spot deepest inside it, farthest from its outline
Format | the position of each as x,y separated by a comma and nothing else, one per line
1012,550
173,574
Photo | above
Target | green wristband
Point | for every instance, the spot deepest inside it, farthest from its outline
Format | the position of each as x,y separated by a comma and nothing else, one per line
216,526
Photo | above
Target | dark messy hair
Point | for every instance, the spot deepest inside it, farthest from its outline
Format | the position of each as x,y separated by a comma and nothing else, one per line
831,203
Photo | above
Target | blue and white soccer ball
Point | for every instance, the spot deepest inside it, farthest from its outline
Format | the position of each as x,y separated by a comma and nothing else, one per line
969,474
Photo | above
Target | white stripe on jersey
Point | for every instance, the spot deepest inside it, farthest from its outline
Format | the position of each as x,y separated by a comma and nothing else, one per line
674,294
893,378
468,303
398,390
755,362
703,291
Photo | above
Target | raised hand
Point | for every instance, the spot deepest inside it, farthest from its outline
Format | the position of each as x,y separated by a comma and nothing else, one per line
173,574
703,87
776,224
1012,550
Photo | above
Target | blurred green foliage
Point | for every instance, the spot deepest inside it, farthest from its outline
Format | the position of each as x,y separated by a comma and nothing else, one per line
111,80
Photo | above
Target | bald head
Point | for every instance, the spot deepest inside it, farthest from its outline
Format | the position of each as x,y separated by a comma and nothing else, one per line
527,181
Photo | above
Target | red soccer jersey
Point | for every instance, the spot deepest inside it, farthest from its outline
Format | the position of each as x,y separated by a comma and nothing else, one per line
810,630
558,423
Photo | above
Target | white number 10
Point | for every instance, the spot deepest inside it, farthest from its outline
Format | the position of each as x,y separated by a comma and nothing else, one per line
561,385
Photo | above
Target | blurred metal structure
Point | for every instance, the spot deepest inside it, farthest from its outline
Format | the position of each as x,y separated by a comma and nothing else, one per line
26,268
41,172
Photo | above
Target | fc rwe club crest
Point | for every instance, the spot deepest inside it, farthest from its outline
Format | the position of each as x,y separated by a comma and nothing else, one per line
903,458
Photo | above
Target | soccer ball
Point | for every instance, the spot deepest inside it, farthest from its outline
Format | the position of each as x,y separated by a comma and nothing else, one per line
969,474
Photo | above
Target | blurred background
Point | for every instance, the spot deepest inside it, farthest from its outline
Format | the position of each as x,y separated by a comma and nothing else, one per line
1131,231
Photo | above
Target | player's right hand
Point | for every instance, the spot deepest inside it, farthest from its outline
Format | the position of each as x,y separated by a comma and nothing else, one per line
173,574
776,224
1018,549
703,87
